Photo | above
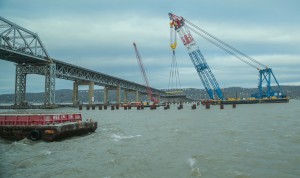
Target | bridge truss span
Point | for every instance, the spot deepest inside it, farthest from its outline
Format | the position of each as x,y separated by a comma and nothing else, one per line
20,45
76,73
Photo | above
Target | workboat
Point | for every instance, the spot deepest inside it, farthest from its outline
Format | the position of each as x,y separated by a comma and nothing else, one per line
47,127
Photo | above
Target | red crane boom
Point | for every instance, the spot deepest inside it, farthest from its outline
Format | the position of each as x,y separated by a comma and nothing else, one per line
143,71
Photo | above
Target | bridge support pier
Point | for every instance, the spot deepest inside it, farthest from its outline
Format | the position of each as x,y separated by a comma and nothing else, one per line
20,85
126,92
158,98
50,75
90,94
75,93
125,96
118,94
137,96
105,97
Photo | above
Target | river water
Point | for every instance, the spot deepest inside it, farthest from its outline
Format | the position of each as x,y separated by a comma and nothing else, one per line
259,140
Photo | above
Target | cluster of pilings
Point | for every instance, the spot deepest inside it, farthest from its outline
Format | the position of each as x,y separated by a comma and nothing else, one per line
166,106
207,105
115,107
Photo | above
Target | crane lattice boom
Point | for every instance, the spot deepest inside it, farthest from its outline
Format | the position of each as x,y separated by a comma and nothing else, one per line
143,71
208,79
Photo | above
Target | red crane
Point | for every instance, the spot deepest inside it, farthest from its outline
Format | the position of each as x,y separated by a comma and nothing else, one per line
144,74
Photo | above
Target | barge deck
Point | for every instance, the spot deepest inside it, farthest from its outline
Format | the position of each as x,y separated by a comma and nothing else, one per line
246,101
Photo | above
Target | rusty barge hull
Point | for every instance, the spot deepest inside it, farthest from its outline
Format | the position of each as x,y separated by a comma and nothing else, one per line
47,127
46,132
246,101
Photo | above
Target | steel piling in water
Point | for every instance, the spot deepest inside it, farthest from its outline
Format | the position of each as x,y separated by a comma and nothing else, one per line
194,106
153,107
166,107
221,106
180,106
207,105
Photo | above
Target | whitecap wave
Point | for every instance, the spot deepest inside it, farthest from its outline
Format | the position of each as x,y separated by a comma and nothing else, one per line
24,141
192,162
47,153
119,137
195,171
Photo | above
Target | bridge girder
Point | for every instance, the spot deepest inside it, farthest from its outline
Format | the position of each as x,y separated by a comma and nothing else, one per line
70,72
16,40
76,73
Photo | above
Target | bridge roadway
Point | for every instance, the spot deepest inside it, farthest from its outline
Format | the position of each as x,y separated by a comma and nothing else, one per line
23,47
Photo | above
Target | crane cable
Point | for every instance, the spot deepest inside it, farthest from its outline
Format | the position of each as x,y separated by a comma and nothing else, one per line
225,44
174,73
223,48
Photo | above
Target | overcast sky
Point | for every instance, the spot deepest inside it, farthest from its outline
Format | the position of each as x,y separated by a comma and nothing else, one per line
99,34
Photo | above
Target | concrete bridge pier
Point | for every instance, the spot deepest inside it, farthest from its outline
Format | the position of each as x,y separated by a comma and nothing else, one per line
118,94
125,96
137,96
90,93
158,98
75,93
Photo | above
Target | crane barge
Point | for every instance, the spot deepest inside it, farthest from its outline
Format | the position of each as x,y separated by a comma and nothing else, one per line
266,94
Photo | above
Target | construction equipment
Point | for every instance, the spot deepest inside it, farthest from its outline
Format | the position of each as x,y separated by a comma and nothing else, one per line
144,74
183,27
174,87
202,68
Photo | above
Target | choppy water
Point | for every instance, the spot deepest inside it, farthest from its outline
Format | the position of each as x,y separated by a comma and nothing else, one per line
261,140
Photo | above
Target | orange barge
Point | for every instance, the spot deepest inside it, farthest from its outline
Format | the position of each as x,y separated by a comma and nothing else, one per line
47,127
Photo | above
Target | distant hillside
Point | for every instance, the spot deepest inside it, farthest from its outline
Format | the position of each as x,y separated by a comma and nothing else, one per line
65,96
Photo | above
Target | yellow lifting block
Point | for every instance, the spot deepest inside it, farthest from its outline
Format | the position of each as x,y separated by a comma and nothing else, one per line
173,46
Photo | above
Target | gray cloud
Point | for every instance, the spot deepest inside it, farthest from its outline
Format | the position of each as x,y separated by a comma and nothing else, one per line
98,35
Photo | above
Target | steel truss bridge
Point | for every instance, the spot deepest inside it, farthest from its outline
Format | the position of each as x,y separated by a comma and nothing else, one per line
26,49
